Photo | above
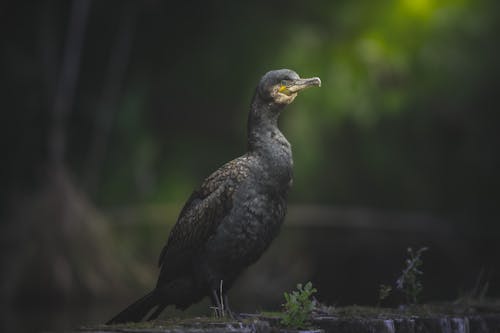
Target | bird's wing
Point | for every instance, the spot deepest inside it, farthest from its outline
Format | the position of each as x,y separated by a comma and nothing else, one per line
200,217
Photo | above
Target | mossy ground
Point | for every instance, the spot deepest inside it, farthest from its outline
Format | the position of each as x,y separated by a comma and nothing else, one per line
192,322
348,313
423,310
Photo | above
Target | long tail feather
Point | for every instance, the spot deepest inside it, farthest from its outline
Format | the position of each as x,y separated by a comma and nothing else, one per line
137,310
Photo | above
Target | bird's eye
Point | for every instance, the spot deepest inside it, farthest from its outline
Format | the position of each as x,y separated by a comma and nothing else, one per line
284,82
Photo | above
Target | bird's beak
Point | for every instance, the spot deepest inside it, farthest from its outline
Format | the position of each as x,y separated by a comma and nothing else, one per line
301,84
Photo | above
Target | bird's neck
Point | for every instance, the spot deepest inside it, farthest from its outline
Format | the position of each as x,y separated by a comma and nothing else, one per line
269,145
263,124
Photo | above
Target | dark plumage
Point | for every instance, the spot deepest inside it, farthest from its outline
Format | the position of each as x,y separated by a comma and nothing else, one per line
232,218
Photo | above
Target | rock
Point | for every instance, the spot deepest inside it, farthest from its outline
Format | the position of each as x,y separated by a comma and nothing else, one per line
354,319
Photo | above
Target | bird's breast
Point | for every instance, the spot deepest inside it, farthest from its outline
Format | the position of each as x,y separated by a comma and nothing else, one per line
257,212
254,222
275,159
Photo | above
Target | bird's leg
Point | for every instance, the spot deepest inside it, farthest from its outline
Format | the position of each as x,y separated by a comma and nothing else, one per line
219,299
221,303
222,307
217,305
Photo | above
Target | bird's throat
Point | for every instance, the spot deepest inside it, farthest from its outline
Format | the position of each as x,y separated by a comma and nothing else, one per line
262,124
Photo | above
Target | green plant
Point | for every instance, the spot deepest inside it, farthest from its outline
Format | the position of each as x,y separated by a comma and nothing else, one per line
298,306
383,292
410,280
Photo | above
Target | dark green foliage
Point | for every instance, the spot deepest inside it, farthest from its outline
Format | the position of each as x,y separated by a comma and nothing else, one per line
413,79
407,118
410,280
383,292
298,306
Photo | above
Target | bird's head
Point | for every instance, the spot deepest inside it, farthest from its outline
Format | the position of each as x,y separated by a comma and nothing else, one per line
282,86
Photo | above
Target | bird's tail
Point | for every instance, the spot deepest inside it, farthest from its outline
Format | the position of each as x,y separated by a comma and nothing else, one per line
137,310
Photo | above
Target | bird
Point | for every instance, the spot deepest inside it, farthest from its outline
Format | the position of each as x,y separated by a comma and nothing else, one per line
231,219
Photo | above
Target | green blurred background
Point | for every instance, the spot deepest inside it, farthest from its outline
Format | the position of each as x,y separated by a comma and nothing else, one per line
113,112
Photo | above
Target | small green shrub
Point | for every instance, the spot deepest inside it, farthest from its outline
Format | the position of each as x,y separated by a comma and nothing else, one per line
298,306
383,292
410,280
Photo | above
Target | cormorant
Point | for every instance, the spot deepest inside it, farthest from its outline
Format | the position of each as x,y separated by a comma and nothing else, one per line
231,219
